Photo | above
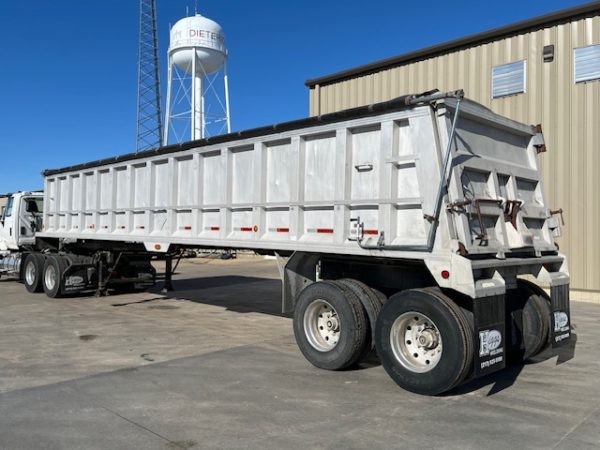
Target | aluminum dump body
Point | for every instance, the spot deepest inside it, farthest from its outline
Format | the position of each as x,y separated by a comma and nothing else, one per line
297,186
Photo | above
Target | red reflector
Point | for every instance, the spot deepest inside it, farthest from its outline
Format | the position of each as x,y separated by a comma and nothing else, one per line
214,228
445,274
187,228
283,230
376,232
325,230
246,229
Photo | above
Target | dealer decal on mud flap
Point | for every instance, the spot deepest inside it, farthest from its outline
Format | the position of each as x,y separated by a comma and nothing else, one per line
562,330
74,282
491,351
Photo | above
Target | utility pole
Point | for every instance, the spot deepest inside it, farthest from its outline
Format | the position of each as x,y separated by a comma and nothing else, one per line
149,114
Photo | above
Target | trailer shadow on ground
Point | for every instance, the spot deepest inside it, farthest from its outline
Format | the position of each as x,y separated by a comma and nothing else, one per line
266,299
243,294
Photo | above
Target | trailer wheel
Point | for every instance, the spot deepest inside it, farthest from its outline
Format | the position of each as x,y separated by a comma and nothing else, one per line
380,295
424,341
542,315
330,325
528,322
32,272
54,268
371,306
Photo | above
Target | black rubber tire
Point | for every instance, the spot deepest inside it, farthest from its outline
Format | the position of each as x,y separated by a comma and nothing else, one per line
457,341
353,325
380,295
38,261
60,265
543,302
371,307
528,325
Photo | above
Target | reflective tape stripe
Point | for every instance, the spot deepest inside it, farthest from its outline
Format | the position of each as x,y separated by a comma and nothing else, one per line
320,230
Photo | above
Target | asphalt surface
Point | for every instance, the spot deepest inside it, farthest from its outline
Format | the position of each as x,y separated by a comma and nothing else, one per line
215,366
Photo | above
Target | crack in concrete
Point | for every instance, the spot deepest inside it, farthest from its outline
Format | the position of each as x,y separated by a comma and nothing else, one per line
574,428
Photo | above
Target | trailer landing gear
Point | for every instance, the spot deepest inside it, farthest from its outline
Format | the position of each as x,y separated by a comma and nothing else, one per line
168,285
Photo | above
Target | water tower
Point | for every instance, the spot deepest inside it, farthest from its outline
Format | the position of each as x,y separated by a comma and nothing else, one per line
197,90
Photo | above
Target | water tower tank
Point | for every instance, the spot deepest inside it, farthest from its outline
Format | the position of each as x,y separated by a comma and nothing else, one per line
203,36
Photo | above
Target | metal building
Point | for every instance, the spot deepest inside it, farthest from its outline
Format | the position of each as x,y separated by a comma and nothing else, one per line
545,70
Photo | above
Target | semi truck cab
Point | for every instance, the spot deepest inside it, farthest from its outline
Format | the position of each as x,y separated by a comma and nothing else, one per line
21,219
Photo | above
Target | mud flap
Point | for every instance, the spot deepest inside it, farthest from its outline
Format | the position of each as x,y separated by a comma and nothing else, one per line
76,278
561,315
489,334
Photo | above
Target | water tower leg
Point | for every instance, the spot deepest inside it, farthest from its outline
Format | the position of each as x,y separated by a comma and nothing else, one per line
168,108
227,115
197,111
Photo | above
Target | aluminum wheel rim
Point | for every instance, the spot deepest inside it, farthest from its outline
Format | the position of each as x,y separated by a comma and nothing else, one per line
30,273
50,277
321,326
416,342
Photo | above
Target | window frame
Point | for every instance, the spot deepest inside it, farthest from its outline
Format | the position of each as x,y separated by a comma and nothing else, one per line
524,81
586,80
8,208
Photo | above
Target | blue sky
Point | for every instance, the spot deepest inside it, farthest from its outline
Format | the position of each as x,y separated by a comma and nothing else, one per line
68,69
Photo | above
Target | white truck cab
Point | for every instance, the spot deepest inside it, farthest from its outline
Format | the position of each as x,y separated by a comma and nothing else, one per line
21,217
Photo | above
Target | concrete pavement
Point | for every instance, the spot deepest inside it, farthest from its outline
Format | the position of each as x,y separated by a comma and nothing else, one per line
214,365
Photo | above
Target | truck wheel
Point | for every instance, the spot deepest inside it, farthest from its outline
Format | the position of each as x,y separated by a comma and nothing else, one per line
371,306
32,272
54,268
330,325
424,341
527,322
541,319
380,295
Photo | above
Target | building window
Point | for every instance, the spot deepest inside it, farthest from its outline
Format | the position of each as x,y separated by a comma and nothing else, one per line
509,79
587,63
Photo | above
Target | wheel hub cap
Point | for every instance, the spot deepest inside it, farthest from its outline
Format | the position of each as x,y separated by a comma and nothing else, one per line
428,339
416,342
50,277
321,325
30,273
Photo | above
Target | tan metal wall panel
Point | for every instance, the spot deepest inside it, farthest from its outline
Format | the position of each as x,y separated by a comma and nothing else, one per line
569,112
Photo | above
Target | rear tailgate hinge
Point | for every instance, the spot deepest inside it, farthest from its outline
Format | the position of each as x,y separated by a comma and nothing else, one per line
538,139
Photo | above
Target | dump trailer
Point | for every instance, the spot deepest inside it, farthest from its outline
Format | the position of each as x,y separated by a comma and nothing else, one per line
417,227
